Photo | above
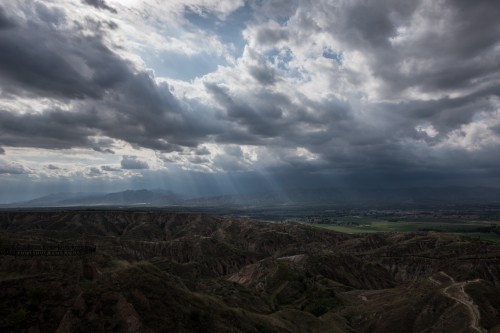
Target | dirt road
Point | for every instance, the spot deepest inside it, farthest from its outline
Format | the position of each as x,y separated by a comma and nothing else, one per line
456,292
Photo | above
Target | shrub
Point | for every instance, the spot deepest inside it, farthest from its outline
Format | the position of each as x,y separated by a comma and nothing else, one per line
18,317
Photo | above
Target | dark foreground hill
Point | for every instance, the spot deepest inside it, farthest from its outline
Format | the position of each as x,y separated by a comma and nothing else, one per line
172,272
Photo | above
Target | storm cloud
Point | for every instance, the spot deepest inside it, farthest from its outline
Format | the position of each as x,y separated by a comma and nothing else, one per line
39,59
111,96
349,89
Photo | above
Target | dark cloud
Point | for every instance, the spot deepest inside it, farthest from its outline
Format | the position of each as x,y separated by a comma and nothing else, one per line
370,23
6,170
115,99
140,113
445,114
198,160
112,25
2,151
476,24
94,172
37,59
261,70
103,145
202,151
101,4
257,123
104,150
277,9
382,136
110,168
54,129
148,115
270,36
272,119
133,163
265,76
455,57
53,167
5,22
418,45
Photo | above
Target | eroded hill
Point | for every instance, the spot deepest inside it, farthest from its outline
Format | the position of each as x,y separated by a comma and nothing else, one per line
179,272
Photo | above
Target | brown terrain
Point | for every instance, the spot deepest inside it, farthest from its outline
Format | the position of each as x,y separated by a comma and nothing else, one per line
180,272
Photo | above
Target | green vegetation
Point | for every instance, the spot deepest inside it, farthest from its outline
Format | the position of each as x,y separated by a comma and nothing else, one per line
17,317
473,229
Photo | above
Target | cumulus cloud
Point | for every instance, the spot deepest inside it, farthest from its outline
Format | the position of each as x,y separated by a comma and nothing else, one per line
94,172
133,163
13,168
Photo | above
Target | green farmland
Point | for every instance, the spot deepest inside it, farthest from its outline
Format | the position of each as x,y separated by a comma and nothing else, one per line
476,229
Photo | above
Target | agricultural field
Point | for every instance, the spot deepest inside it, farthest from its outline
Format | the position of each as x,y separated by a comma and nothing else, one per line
484,230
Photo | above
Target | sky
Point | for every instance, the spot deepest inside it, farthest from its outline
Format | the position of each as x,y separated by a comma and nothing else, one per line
210,97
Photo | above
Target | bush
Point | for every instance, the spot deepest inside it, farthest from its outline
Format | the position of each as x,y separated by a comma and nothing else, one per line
316,309
17,317
201,320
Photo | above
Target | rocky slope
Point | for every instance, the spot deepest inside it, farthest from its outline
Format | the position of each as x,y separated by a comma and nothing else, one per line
161,271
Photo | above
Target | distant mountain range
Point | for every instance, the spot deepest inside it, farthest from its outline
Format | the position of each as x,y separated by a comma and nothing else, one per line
440,196
125,198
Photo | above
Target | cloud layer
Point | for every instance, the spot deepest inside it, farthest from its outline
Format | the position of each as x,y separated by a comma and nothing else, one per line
348,89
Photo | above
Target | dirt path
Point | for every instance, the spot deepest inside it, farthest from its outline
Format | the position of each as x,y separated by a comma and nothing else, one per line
456,292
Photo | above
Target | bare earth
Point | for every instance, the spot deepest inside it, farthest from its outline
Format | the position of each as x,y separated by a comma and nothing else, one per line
456,292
